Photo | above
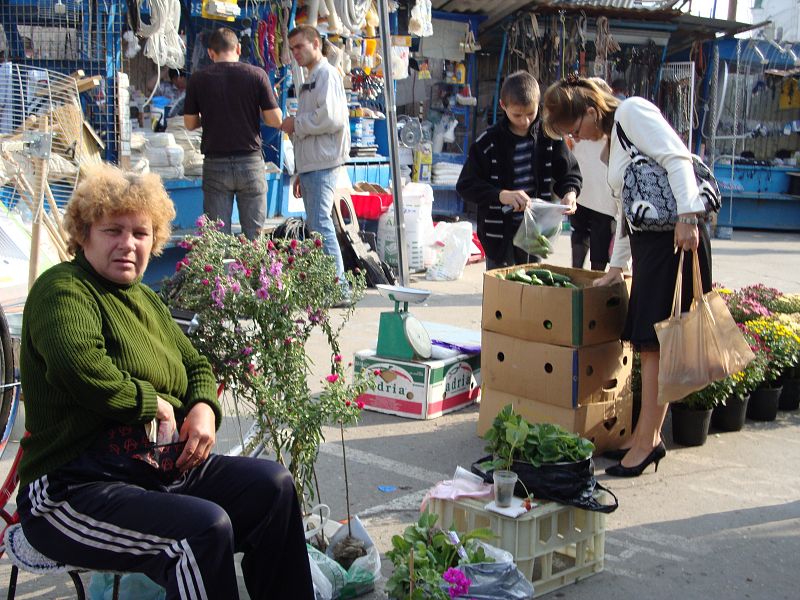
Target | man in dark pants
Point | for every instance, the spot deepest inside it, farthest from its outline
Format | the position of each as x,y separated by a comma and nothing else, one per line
229,99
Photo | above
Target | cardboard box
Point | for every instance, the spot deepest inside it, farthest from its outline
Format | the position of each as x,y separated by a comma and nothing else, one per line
421,389
606,424
563,316
567,377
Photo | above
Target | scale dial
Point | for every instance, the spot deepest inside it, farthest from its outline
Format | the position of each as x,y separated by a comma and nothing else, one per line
417,336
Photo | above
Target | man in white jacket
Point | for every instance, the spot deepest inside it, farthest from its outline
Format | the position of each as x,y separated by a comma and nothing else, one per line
321,136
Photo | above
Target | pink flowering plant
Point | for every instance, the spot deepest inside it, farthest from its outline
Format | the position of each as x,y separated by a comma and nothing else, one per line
743,305
259,302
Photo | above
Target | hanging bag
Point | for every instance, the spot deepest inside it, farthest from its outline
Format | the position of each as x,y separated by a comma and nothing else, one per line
647,198
698,346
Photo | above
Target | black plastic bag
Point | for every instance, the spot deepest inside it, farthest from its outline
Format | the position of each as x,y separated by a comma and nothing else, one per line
571,483
496,581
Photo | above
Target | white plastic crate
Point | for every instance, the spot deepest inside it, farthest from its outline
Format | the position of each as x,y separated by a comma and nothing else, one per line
553,545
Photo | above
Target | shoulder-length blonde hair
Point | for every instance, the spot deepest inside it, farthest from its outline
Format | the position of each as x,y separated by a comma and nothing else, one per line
565,101
107,190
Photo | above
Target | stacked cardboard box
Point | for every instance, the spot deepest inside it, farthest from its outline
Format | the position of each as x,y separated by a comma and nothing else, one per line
555,355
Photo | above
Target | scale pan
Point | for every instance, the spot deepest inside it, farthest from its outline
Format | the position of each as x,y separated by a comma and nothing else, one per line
398,293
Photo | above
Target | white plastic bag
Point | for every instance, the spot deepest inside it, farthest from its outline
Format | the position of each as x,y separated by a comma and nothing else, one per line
327,575
365,570
540,227
453,242
418,220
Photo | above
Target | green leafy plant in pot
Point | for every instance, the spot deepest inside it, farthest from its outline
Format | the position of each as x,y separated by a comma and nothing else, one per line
545,446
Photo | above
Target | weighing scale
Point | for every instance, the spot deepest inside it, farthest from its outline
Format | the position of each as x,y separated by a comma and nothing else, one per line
401,335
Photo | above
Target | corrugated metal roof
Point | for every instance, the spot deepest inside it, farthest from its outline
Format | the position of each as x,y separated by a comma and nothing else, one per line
497,10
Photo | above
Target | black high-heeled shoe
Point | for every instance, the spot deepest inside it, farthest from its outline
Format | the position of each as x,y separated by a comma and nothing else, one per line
617,454
655,456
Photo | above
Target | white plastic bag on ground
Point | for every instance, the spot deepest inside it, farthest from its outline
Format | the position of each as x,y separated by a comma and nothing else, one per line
452,245
418,219
365,570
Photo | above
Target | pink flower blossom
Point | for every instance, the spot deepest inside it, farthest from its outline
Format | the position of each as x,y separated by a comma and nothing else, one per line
337,358
201,220
360,404
262,293
318,242
347,403
208,268
205,282
293,244
377,372
332,378
186,245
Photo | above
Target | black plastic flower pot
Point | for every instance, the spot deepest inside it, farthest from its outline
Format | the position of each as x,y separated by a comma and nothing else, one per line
790,395
763,405
731,415
690,426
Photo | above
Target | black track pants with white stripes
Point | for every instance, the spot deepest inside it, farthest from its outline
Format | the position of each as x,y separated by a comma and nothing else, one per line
110,514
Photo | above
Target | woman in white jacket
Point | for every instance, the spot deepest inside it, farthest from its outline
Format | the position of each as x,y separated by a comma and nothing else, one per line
578,108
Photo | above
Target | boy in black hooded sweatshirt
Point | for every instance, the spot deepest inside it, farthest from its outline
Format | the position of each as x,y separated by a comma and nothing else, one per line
509,164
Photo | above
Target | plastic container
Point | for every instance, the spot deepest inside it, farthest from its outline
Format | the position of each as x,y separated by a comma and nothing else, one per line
370,205
553,545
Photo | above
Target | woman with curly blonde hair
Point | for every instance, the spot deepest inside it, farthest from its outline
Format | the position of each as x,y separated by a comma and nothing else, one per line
122,413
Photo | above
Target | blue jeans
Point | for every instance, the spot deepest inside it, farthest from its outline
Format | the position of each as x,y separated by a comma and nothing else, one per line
318,188
242,176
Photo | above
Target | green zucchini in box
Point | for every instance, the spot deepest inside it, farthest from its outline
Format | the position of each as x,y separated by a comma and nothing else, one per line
570,312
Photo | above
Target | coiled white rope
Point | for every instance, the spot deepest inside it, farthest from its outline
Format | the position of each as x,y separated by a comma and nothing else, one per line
352,13
164,46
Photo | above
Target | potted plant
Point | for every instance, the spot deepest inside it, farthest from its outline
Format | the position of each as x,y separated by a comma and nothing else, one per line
259,303
790,379
783,350
692,416
538,453
729,415
742,305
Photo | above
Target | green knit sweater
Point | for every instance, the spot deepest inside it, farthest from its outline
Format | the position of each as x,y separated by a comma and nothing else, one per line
95,354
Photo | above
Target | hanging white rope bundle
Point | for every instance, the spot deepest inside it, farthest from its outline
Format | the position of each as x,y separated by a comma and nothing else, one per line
352,13
164,46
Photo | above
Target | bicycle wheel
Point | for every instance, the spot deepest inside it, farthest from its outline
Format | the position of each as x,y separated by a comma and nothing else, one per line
8,384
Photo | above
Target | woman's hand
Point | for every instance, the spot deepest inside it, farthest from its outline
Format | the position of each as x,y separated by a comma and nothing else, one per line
165,413
199,433
687,237
613,276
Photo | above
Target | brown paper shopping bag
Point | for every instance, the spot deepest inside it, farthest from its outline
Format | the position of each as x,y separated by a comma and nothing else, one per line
699,346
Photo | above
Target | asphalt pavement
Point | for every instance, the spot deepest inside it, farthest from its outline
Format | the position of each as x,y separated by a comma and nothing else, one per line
721,521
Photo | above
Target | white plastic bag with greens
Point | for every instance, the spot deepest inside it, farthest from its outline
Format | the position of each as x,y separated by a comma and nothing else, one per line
540,227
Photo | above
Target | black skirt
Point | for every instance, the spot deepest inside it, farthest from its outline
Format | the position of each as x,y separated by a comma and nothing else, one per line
655,268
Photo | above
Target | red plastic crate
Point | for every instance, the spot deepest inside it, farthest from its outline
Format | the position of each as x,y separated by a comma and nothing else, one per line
370,205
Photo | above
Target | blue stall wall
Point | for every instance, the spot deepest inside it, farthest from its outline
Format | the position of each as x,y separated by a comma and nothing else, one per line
753,178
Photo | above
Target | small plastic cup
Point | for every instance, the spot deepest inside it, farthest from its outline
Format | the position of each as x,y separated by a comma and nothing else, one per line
504,482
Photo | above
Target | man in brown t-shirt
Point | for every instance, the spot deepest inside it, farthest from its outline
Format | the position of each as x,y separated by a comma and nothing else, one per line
229,99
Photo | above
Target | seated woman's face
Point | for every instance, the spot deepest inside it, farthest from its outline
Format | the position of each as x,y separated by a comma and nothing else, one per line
118,246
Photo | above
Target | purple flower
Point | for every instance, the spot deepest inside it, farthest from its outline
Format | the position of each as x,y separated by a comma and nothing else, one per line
459,583
247,350
262,293
235,287
218,294
201,220
186,245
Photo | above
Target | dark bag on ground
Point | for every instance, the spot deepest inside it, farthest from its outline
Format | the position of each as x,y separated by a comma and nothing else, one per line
572,483
356,252
647,198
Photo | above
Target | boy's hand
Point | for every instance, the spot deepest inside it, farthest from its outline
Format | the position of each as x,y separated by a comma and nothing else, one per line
516,199
571,200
